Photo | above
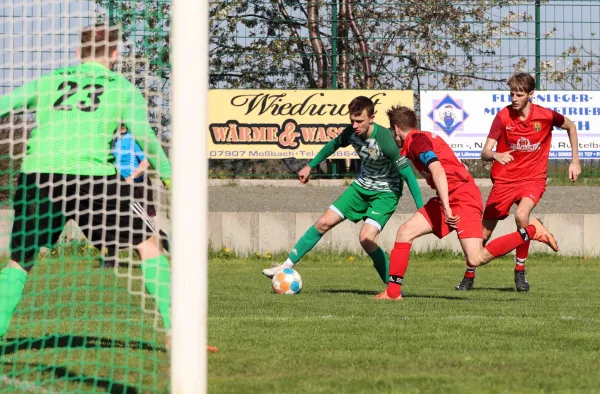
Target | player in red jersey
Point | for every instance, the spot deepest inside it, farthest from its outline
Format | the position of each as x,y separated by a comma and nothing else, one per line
457,207
522,133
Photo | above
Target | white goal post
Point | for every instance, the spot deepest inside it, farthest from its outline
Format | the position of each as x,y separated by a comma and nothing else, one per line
189,39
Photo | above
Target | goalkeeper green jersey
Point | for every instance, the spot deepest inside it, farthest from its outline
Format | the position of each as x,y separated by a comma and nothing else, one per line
382,167
77,111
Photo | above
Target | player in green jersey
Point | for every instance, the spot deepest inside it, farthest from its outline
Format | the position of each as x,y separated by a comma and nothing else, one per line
68,171
374,194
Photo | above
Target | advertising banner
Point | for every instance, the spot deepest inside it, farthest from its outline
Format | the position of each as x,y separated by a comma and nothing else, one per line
463,119
279,124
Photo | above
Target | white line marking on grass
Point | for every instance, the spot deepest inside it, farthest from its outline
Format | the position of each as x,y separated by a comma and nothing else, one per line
25,386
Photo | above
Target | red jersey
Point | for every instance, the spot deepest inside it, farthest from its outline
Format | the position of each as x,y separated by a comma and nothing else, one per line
416,148
530,139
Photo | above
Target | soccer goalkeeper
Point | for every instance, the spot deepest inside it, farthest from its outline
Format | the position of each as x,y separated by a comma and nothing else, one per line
68,173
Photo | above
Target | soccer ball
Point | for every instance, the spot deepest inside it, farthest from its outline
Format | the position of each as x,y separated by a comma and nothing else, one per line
287,281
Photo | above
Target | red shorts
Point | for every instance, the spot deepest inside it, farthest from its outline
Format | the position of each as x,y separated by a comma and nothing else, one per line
466,203
503,196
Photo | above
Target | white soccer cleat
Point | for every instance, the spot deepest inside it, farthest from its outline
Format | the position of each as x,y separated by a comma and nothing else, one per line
270,272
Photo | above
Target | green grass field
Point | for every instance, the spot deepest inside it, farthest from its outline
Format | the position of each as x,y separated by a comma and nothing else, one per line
334,339
79,330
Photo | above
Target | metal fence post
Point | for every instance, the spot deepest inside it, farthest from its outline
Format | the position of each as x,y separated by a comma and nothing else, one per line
538,43
334,65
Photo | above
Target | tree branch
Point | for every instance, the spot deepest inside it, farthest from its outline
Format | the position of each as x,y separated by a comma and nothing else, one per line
317,44
362,45
306,65
342,45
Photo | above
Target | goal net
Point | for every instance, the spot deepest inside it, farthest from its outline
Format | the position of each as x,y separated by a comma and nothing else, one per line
84,178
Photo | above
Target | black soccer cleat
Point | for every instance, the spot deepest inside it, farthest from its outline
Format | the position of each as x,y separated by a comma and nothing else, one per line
465,284
521,283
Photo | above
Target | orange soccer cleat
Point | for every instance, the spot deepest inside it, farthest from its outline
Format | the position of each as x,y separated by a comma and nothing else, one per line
384,296
212,349
543,235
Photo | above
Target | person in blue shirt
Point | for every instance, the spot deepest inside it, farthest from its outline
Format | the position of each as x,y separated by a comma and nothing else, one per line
131,163
130,160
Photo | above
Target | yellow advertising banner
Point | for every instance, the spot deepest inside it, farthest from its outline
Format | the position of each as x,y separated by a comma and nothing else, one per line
279,124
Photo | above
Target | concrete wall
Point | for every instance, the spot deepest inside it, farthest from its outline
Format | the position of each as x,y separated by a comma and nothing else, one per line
250,232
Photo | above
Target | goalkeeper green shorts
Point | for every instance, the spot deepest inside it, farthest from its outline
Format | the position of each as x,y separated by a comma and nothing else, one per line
374,207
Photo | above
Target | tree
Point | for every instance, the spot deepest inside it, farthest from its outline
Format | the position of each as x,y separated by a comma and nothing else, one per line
409,44
145,54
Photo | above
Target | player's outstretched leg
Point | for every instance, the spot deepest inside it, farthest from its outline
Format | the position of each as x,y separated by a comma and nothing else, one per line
478,255
12,283
308,241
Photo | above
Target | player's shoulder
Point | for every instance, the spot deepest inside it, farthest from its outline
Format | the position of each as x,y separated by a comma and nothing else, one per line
120,80
59,73
65,71
384,135
422,136
542,111
417,139
506,112
382,129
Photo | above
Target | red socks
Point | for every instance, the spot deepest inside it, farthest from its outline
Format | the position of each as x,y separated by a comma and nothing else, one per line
502,245
398,264
521,255
470,272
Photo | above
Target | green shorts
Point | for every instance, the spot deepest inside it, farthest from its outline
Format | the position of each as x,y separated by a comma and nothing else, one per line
373,207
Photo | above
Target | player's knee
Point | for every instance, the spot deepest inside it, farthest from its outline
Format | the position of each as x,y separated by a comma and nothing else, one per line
366,239
474,260
473,263
323,225
405,234
522,217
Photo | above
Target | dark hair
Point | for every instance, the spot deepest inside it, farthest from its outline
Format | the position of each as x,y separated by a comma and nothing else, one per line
99,40
521,82
403,117
361,103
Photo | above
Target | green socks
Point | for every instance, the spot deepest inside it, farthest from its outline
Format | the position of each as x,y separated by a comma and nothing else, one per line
12,282
308,241
312,236
381,264
157,278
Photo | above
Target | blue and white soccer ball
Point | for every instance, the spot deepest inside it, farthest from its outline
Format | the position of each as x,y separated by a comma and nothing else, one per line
287,281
